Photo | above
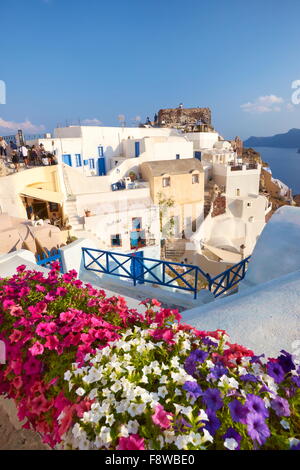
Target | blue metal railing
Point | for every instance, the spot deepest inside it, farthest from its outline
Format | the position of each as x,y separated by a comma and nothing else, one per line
143,270
164,273
228,279
47,258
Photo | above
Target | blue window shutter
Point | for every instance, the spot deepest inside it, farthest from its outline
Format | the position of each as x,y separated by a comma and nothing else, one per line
78,159
67,159
85,162
101,166
137,149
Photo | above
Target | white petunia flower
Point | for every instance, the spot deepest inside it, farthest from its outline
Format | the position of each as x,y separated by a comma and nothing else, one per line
285,424
162,391
230,444
293,441
203,416
80,391
67,375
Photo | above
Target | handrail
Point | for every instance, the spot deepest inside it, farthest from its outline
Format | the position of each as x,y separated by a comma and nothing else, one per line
148,270
48,257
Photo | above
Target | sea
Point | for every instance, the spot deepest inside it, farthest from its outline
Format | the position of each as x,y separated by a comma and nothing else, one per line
285,165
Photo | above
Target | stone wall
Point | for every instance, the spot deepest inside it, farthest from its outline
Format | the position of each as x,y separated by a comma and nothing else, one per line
219,206
173,117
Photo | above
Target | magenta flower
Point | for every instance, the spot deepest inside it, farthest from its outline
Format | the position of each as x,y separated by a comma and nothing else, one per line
37,349
161,417
32,366
132,442
46,328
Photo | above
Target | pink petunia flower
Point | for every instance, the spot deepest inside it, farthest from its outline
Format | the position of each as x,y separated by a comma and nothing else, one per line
132,442
37,349
161,417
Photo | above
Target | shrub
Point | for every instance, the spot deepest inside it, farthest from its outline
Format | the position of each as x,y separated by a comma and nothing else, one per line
86,372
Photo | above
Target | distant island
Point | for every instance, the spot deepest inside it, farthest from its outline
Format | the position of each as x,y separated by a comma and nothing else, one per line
290,139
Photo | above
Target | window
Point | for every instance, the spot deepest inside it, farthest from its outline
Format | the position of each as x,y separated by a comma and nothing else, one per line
249,204
85,162
116,240
91,163
166,182
177,156
136,223
100,151
78,159
238,192
195,179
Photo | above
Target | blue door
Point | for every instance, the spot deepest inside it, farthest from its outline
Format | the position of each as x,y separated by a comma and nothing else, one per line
101,167
137,267
67,159
137,149
198,155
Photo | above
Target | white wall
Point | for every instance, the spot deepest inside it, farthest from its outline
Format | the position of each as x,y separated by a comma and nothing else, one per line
202,140
247,181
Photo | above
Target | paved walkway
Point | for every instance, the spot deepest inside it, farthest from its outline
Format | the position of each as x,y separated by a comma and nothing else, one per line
12,438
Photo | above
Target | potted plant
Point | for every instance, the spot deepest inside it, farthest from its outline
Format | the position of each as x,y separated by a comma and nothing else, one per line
132,175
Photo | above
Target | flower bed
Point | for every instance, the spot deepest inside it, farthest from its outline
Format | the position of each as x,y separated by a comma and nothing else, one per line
86,372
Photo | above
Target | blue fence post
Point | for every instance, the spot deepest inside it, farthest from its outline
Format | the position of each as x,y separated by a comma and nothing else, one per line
196,284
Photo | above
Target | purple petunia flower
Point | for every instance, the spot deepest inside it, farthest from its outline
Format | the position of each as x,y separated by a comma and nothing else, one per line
193,388
248,378
256,404
212,399
257,428
238,411
296,380
194,357
209,342
281,406
256,359
276,371
233,434
217,372
286,361
213,423
295,447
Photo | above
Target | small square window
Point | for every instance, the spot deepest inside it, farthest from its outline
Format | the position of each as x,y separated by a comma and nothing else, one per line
166,182
116,240
195,179
78,159
91,163
136,223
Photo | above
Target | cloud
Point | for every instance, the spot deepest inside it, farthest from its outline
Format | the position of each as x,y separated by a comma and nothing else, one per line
263,104
290,107
92,122
25,126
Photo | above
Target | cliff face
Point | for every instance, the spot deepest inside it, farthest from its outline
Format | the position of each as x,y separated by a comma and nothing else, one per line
173,117
290,139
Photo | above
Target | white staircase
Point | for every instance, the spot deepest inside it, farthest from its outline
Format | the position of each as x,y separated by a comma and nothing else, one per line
71,210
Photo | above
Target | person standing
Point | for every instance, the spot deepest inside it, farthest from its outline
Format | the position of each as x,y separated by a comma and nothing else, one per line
15,158
34,156
3,146
24,155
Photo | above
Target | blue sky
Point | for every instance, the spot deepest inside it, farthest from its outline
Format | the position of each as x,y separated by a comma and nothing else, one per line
63,60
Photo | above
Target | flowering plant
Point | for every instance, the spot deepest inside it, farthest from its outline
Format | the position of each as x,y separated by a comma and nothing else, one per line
86,372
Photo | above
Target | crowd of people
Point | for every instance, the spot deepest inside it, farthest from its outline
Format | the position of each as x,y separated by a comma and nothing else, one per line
28,155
